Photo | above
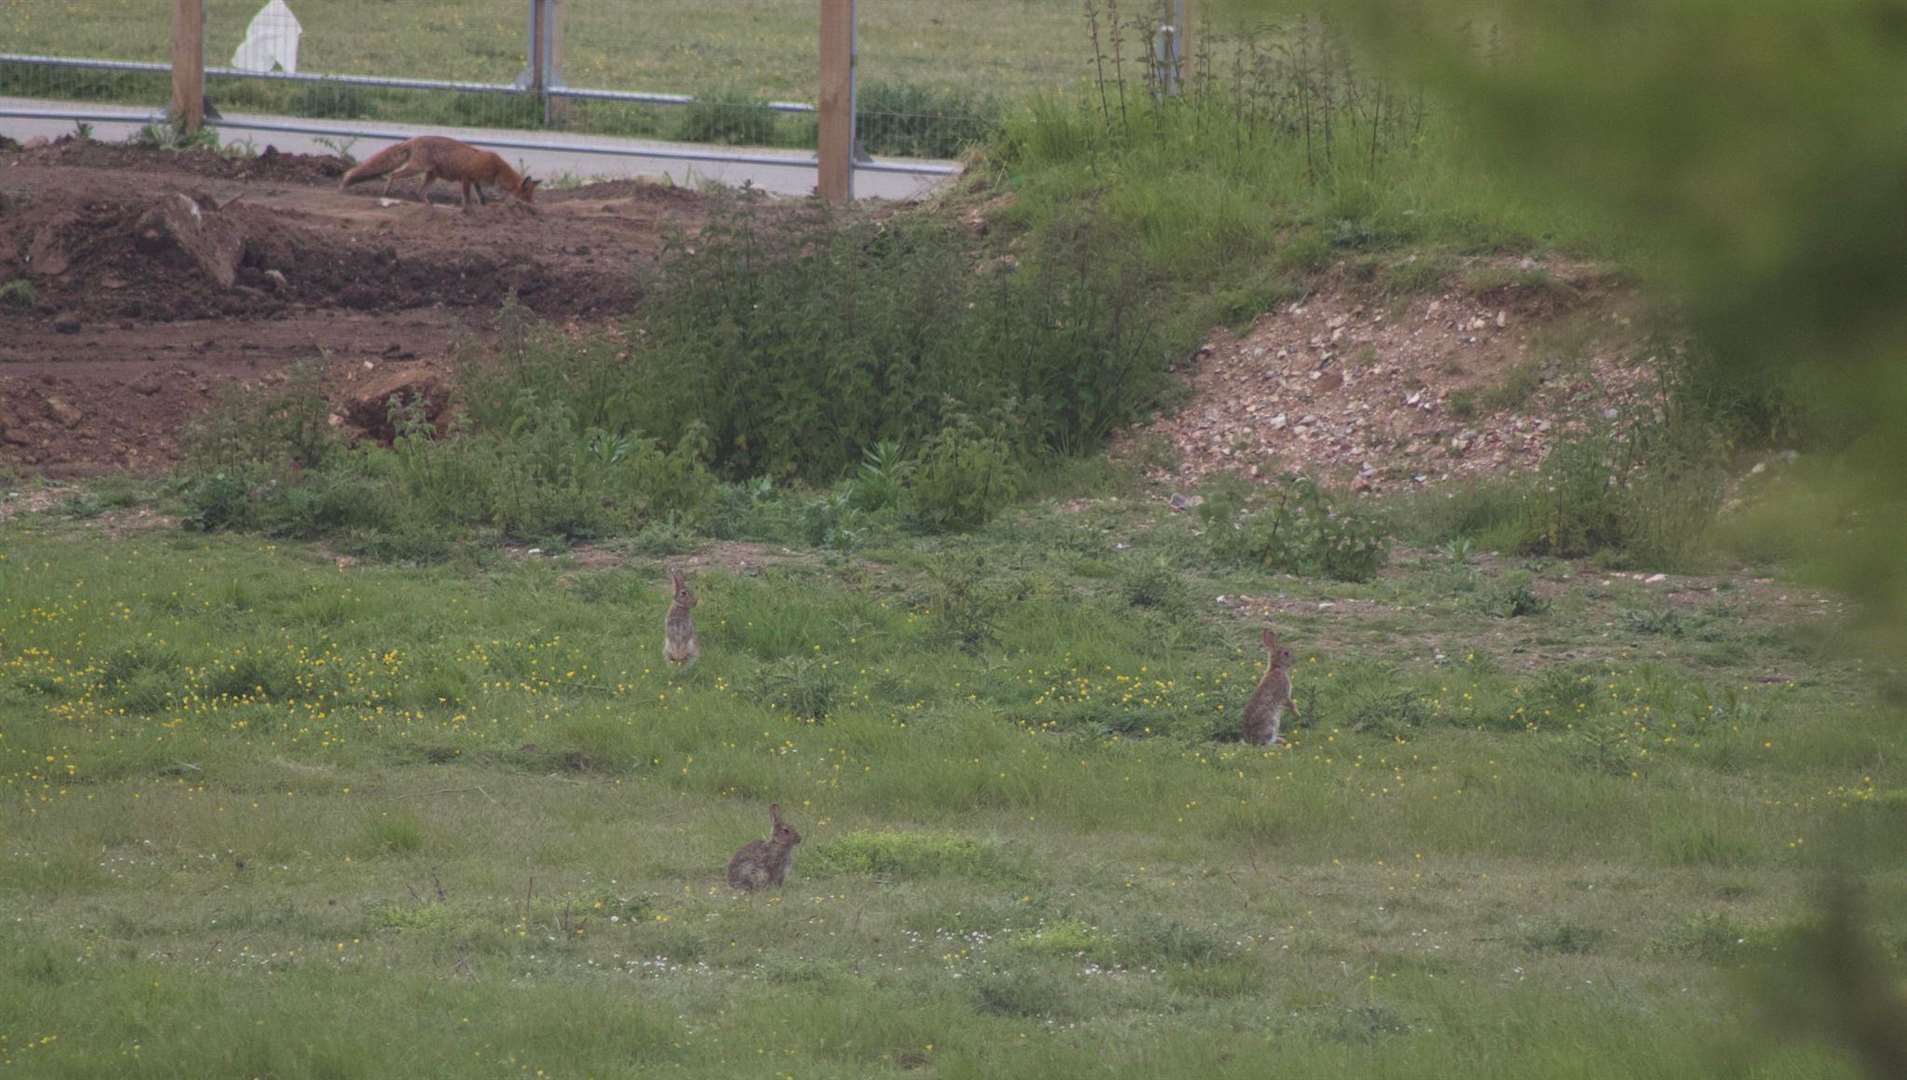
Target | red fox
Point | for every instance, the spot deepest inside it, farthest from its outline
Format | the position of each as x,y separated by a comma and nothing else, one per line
439,158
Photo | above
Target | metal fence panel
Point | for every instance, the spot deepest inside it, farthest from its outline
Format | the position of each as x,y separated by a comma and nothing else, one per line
738,73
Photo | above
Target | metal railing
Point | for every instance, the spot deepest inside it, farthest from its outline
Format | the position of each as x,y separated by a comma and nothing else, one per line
733,123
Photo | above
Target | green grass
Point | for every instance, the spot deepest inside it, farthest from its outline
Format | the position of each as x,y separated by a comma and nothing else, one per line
263,815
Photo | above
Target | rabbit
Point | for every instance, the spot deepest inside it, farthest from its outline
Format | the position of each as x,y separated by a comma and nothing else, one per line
1269,703
678,629
764,862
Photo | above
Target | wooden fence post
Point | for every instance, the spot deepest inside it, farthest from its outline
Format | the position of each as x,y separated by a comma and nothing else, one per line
1182,18
836,102
188,64
555,109
538,49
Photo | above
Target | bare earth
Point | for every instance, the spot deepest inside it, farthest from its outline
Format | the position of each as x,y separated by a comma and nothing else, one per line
158,278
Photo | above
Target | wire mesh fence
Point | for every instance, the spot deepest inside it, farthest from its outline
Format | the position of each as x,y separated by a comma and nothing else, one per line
935,78
139,38
739,73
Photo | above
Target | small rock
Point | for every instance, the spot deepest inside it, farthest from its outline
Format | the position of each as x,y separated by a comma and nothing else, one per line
68,416
1760,467
66,323
1654,578
1609,413
1278,422
277,279
1502,319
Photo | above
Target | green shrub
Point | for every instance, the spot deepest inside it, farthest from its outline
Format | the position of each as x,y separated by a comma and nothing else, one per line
1296,529
964,476
801,345
1646,493
965,604
1514,599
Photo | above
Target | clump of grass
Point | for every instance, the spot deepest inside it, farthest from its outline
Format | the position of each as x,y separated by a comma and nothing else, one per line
727,116
1514,390
394,835
1515,599
1154,584
915,854
915,120
1462,403
1712,936
1572,939
19,293
1417,273
803,686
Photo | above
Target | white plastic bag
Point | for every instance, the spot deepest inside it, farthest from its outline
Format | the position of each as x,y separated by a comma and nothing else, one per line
271,39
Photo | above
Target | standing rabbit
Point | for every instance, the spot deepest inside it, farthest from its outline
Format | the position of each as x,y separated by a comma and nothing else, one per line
765,862
678,629
1269,703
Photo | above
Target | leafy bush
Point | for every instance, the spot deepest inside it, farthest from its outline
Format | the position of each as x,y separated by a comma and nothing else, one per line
801,341
285,424
1515,599
964,475
1647,492
965,604
1296,529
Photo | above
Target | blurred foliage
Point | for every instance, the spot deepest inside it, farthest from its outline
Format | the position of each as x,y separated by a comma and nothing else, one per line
1750,147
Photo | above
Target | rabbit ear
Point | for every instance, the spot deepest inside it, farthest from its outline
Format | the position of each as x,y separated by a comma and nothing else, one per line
676,576
1270,638
774,812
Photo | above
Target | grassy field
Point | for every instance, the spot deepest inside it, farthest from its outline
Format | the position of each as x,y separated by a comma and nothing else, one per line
765,48
265,813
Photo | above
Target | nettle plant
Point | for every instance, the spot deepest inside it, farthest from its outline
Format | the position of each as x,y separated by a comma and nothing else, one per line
1294,527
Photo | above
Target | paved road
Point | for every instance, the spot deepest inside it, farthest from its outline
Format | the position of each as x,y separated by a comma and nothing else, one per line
585,157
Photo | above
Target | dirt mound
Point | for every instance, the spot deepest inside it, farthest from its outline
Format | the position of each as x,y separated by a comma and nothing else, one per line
268,164
366,403
1372,392
118,262
192,254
